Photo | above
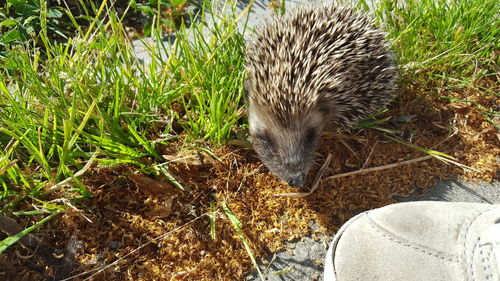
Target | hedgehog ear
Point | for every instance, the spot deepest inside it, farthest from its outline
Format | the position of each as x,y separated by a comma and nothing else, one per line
327,110
325,106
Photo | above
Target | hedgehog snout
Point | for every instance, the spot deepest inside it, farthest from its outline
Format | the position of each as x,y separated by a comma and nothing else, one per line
297,180
295,168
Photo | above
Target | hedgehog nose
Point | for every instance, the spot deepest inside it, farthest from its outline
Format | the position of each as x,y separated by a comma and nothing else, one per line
297,180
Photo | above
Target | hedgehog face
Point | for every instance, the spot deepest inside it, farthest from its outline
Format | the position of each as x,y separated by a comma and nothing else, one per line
287,151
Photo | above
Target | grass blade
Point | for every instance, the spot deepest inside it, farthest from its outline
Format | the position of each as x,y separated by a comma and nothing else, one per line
9,241
237,227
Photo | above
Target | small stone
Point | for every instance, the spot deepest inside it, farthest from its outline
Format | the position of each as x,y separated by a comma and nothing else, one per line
114,244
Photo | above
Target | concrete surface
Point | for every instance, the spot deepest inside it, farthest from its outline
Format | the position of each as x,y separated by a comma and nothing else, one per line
259,13
302,260
461,191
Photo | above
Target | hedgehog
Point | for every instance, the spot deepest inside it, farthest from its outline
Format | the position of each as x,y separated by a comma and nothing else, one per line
316,68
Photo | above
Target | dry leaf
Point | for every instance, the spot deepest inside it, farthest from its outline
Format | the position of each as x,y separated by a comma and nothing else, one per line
152,186
192,160
162,210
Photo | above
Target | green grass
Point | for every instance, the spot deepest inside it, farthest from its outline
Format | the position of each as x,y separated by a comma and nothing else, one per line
443,38
61,104
442,46
67,102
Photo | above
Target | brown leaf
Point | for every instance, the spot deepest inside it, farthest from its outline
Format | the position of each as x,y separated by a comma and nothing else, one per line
188,160
71,218
152,186
161,210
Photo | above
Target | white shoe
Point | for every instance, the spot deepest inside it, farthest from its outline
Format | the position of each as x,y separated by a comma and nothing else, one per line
418,241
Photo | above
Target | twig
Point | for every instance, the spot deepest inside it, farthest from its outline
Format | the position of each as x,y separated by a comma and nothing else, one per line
314,185
465,167
321,172
348,147
388,166
450,135
369,156
77,174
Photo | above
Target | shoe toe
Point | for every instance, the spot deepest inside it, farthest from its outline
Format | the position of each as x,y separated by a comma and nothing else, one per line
411,241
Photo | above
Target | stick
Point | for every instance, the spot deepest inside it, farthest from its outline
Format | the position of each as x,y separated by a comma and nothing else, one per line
388,166
369,155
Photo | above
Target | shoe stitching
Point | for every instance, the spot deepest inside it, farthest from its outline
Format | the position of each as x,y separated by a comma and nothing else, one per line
469,268
392,237
491,262
476,245
485,262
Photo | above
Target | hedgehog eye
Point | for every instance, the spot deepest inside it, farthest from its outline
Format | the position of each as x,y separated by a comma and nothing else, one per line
264,138
311,135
